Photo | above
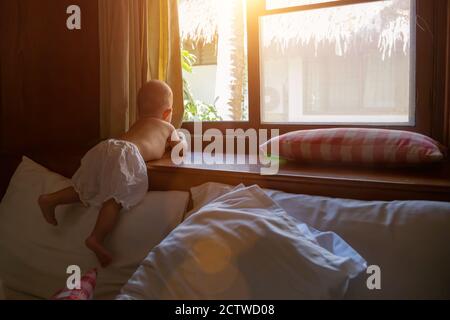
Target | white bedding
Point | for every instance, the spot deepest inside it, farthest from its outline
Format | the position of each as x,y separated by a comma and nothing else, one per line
34,256
243,245
409,240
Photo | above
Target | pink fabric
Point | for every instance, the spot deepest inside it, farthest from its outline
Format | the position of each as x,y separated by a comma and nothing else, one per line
86,292
361,146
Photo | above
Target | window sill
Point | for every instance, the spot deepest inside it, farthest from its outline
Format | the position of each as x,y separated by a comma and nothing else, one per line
424,183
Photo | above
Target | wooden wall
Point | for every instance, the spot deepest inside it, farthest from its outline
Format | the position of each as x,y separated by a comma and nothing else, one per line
49,76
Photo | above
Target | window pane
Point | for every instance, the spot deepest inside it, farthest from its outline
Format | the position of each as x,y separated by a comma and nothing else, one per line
276,4
213,35
348,64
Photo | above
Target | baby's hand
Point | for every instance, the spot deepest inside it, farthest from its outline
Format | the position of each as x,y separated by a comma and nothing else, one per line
178,139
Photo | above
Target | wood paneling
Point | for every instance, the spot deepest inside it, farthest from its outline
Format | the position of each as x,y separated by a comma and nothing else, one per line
49,75
447,81
423,183
441,115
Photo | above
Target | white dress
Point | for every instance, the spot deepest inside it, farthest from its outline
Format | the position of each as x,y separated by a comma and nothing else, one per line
113,169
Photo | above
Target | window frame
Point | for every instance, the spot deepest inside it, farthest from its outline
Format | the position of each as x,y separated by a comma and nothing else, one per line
431,31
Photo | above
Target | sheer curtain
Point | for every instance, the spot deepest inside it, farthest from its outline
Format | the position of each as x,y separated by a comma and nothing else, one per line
139,41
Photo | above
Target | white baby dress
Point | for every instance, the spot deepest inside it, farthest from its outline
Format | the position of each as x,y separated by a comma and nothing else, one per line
113,169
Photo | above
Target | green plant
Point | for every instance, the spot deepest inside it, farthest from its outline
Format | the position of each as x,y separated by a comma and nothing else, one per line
198,110
195,110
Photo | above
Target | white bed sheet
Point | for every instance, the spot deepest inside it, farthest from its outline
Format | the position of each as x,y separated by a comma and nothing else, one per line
34,256
408,240
243,245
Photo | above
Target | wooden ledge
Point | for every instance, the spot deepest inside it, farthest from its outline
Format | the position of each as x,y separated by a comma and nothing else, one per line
424,183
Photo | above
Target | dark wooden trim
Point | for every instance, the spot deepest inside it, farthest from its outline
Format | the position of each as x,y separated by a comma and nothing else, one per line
446,67
439,72
320,5
283,128
254,11
423,183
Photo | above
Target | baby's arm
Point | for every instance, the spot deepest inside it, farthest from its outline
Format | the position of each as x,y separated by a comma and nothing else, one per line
177,138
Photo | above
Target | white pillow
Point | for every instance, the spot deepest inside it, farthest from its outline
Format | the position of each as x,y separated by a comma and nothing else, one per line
207,192
34,256
409,240
242,246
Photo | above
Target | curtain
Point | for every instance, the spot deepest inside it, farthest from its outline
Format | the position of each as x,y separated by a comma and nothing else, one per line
139,41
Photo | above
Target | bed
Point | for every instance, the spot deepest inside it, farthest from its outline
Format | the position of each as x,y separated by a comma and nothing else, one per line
407,240
34,256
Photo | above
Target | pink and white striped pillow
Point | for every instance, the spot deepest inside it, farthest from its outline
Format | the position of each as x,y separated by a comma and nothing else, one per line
86,292
357,146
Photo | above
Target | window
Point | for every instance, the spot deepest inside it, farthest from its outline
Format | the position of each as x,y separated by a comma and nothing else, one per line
214,47
324,63
277,4
342,64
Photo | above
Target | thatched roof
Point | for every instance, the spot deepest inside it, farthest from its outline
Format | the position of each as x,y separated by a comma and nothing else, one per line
338,26
198,20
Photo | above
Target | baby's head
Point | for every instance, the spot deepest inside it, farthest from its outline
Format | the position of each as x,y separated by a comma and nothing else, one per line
155,100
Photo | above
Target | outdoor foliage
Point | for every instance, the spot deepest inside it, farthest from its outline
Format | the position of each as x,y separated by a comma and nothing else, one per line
195,110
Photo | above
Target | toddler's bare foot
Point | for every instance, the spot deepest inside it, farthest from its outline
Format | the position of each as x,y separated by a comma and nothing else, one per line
48,210
100,251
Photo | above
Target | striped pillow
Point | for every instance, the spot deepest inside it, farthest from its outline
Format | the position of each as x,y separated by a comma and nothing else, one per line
357,146
86,291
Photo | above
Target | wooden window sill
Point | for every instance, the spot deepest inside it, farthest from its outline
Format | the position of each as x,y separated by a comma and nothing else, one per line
424,183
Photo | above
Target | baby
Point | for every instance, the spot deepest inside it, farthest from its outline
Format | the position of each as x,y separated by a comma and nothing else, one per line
113,175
